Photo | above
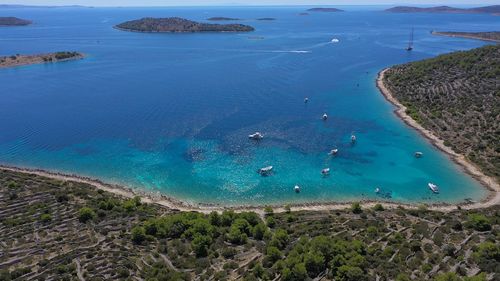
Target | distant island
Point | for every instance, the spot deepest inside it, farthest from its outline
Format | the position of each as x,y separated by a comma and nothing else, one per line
495,9
176,24
13,21
222,19
453,100
266,19
19,60
327,10
493,36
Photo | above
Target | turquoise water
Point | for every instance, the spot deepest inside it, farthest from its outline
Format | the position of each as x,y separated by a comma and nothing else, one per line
172,112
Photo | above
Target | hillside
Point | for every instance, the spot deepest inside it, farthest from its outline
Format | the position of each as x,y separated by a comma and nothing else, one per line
13,21
494,9
457,97
179,25
60,230
493,36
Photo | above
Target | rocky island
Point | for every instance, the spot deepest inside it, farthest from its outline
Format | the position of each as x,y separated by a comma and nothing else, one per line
13,21
493,36
19,60
162,25
495,9
454,101
326,10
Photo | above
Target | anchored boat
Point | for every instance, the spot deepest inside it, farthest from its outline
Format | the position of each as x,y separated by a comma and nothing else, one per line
266,171
325,172
256,136
333,152
325,116
297,189
434,188
418,154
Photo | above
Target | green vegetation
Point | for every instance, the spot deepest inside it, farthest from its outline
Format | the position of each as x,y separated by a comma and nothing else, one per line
179,25
456,96
81,230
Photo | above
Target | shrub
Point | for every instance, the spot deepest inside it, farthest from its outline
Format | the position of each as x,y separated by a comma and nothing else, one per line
378,207
85,214
45,218
356,208
138,234
479,222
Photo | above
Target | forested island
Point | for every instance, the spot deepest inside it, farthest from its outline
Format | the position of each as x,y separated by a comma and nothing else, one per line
13,21
456,97
493,36
327,10
53,229
222,19
179,25
494,9
19,60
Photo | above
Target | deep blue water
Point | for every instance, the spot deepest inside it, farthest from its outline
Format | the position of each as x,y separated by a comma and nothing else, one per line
171,112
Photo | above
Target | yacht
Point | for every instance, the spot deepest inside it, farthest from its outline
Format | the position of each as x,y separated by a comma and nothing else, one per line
418,154
325,172
256,136
333,151
433,187
353,138
335,40
325,116
265,171
297,189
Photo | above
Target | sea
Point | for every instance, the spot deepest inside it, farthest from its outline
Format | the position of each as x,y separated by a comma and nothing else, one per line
171,113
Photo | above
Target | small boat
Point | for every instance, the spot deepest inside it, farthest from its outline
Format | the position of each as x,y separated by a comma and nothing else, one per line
377,190
296,189
353,138
418,154
335,40
266,171
325,116
325,172
433,187
306,100
256,136
333,152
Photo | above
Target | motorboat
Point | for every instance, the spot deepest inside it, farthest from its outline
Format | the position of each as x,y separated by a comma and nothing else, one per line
296,189
377,190
325,116
418,154
325,172
335,40
333,152
434,188
256,136
306,100
353,138
266,171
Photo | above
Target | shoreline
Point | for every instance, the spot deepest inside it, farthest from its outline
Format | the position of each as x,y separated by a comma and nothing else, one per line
157,198
438,33
489,183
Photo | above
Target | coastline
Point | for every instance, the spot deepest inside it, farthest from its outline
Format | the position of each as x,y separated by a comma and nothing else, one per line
171,203
37,59
488,182
464,36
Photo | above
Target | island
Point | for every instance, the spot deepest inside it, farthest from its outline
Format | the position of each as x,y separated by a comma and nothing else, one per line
175,24
326,10
495,9
268,19
493,36
65,228
453,100
13,21
222,19
19,60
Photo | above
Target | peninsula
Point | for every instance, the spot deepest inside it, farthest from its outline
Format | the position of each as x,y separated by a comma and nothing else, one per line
327,10
19,60
493,36
453,99
163,25
494,9
54,228
13,21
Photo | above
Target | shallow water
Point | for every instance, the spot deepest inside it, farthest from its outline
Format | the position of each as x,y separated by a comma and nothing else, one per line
172,112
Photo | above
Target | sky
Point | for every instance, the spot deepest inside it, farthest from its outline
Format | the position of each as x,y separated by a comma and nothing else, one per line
247,2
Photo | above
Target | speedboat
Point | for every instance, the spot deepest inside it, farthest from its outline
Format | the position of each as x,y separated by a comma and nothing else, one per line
256,136
335,40
333,151
297,189
433,187
418,154
325,116
325,172
266,171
